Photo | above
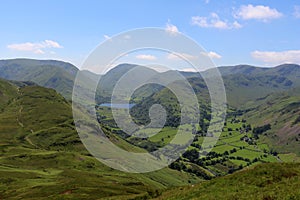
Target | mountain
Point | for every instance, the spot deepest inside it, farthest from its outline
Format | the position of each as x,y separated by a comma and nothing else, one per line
133,72
265,181
283,70
23,64
243,83
282,111
265,101
48,73
53,74
247,83
241,69
110,79
43,157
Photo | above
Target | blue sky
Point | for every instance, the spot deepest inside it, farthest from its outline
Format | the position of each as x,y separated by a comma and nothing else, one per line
263,33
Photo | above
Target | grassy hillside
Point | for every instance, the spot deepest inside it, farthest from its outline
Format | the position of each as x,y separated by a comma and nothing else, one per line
17,64
53,74
109,80
245,139
42,155
7,92
242,82
43,158
265,181
245,83
282,111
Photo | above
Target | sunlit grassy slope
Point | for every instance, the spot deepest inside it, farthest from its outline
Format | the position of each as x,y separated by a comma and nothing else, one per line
42,156
265,181
282,111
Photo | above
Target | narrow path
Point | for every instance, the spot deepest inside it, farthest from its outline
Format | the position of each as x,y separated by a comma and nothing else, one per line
21,124
27,138
18,117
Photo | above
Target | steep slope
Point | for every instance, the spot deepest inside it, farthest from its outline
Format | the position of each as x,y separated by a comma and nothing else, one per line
109,80
246,83
265,181
17,67
243,83
241,69
42,155
48,73
53,74
7,92
282,111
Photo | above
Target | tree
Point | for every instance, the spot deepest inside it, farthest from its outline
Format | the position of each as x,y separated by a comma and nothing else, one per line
192,155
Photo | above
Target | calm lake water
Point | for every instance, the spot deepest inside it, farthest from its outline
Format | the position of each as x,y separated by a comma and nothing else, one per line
118,105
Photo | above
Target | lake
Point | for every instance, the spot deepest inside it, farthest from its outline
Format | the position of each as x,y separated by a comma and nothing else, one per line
118,105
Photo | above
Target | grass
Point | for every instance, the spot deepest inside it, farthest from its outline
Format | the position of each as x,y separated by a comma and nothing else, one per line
281,111
164,136
264,181
42,156
238,162
222,148
245,153
290,157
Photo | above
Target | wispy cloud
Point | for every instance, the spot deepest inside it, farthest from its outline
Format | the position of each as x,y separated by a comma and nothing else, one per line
106,37
189,70
180,56
36,47
296,11
259,12
171,28
212,55
146,57
214,21
277,57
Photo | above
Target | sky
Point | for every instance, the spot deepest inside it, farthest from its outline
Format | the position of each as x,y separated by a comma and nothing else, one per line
260,33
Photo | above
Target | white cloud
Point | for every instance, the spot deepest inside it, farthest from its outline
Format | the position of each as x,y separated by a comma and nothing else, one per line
146,57
259,12
212,55
214,21
39,51
107,37
277,57
172,29
35,47
189,70
180,56
206,1
236,25
50,44
296,11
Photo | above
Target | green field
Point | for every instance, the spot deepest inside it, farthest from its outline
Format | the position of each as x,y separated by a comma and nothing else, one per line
236,147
